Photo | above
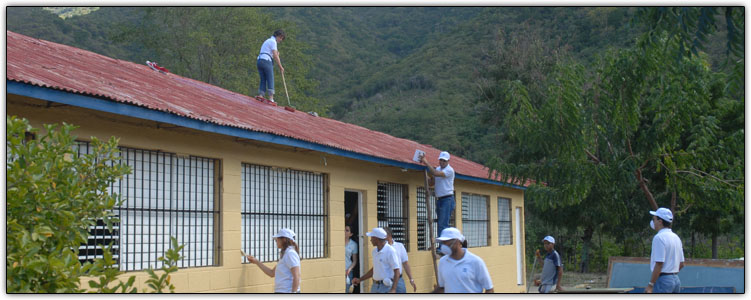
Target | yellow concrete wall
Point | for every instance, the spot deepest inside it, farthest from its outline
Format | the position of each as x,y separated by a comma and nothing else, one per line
318,275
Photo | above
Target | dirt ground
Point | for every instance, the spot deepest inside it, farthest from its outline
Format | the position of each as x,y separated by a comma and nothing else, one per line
594,280
579,280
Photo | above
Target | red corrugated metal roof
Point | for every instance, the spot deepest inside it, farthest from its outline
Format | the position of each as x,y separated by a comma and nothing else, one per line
47,64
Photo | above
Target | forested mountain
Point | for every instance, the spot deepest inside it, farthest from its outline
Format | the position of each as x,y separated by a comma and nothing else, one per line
408,71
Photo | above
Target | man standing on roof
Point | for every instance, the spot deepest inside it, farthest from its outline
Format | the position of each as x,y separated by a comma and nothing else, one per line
667,254
265,64
443,177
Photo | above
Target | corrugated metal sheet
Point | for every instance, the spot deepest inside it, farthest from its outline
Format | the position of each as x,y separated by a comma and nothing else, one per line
47,64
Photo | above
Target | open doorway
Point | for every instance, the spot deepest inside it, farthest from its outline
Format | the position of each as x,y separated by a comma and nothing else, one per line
352,218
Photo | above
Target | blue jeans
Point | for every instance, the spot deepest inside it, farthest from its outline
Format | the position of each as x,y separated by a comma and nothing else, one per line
546,288
444,208
351,275
266,72
667,284
401,288
379,288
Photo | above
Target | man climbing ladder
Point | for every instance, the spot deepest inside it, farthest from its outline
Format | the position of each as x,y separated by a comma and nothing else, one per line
443,177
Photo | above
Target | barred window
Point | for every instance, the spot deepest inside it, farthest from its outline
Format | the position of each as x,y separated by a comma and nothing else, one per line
165,195
275,198
475,219
423,243
392,210
504,221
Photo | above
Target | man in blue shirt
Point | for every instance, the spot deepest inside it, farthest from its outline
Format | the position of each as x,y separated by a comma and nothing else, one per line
552,268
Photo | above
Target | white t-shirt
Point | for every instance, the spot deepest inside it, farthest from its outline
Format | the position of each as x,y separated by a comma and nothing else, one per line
384,262
444,186
401,253
268,45
668,249
283,274
467,275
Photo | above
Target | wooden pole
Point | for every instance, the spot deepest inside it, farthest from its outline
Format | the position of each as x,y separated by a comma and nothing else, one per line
430,225
285,90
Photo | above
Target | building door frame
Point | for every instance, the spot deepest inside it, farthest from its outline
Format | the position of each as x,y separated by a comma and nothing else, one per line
361,230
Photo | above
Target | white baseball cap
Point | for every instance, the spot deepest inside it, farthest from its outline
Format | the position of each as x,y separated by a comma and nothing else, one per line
663,213
444,155
285,232
549,239
377,232
450,233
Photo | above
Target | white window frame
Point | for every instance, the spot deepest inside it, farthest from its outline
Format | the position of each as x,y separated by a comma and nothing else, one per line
476,219
273,198
166,195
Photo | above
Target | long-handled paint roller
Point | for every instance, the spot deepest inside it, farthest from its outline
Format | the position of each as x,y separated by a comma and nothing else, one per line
285,89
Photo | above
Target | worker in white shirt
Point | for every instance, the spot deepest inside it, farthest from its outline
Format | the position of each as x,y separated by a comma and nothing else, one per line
404,259
667,254
286,273
460,271
385,270
443,177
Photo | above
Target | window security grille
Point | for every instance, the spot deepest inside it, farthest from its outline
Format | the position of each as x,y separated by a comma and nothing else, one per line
392,210
165,195
274,198
100,236
504,221
475,219
422,220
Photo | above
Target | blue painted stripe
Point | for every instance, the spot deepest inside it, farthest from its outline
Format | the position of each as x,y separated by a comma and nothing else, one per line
58,96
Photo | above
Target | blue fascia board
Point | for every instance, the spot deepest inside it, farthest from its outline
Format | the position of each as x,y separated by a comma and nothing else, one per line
63,97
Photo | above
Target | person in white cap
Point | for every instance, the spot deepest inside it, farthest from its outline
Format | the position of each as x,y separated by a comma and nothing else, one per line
386,266
667,254
552,268
404,259
460,271
286,273
443,177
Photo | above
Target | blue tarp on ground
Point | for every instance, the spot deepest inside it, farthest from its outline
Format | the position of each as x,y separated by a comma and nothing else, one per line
625,275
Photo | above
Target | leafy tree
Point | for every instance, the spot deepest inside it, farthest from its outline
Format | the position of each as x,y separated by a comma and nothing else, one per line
219,45
53,197
721,145
104,269
636,122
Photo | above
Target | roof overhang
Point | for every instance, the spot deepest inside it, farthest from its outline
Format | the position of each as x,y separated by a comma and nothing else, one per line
83,101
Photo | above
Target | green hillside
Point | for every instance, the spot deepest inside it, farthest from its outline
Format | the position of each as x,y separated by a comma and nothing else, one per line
411,72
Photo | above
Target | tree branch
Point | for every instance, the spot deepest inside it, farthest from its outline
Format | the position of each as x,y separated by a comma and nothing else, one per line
705,174
592,157
642,182
672,201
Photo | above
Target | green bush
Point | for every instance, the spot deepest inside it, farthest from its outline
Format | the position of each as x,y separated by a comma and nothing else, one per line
53,196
